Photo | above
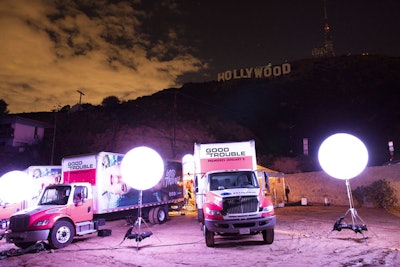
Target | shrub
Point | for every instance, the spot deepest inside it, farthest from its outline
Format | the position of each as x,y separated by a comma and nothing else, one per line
380,193
359,194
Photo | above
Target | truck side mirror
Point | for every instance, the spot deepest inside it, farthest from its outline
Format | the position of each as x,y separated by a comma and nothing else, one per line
80,195
85,193
78,199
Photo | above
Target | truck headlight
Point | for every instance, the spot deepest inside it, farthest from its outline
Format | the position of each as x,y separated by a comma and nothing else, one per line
213,212
4,224
268,209
41,223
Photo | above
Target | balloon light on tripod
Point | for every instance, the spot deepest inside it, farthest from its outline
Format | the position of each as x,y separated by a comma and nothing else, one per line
344,156
141,168
16,186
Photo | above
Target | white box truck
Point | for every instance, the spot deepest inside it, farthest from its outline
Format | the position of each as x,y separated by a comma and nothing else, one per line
41,177
228,196
92,190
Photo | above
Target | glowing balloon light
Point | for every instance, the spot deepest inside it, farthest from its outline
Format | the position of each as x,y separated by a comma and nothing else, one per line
343,156
142,168
16,186
188,165
188,158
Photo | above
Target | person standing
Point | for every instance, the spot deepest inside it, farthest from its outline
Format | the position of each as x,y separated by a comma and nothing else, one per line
287,192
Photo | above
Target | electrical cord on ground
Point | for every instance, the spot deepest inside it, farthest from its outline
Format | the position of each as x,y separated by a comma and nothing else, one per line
40,246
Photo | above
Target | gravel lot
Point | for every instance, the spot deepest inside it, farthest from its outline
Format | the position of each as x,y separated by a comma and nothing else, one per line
303,237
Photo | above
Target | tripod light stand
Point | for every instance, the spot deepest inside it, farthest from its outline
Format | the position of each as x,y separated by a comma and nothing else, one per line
138,235
355,218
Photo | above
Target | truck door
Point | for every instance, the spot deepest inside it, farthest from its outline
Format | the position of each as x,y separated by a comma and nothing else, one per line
82,208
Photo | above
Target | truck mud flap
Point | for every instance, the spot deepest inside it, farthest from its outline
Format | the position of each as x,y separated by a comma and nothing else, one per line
104,232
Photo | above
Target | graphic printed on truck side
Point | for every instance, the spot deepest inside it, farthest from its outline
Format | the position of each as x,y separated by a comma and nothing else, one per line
111,193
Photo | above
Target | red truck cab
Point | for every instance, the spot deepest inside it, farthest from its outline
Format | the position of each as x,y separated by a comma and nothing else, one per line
63,212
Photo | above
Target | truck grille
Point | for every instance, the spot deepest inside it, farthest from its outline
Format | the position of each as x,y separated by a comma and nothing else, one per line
235,205
19,221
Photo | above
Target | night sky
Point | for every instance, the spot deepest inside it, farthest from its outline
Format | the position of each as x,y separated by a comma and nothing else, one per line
51,49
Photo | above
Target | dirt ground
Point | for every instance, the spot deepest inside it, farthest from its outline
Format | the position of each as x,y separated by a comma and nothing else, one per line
303,237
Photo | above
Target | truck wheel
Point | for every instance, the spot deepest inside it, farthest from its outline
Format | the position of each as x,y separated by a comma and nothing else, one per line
151,216
268,236
24,245
209,237
166,210
160,216
61,235
200,215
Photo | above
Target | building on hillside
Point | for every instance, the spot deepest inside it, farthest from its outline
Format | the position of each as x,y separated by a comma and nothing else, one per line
16,133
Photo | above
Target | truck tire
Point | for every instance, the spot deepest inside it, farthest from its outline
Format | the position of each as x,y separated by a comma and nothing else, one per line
200,215
160,215
166,210
61,235
209,236
268,236
24,245
151,216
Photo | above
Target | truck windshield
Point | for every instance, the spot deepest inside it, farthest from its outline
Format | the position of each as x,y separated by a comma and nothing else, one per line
57,195
226,180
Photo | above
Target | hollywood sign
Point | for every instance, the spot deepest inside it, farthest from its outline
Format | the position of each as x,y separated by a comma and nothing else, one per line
255,72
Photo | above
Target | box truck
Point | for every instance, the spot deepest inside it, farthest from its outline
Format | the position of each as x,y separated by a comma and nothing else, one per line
41,177
92,190
228,196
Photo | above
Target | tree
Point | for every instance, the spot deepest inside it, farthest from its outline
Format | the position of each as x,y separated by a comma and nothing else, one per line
3,108
65,108
110,101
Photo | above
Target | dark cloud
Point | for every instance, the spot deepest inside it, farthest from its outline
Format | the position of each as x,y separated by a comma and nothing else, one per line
96,45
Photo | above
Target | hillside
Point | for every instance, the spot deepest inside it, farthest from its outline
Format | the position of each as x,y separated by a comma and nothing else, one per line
319,97
354,94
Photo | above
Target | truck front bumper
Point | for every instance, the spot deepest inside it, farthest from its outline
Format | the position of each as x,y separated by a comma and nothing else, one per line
27,236
246,226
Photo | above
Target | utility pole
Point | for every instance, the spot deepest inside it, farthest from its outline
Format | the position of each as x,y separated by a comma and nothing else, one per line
174,130
80,98
54,134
